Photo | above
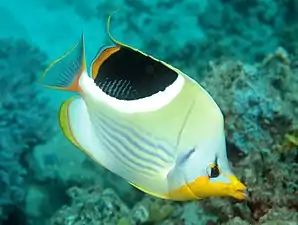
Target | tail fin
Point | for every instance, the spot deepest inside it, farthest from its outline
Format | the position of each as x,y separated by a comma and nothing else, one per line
64,72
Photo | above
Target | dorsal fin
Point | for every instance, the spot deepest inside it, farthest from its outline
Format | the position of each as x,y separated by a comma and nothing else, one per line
103,54
114,40
109,32
126,73
106,51
130,75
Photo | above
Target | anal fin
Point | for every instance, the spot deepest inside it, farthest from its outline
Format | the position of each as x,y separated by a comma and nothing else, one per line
75,125
64,122
149,192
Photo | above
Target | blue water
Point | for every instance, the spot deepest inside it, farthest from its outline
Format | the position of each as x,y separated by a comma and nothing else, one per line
243,52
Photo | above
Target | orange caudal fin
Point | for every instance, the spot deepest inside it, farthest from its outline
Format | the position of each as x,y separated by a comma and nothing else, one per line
64,72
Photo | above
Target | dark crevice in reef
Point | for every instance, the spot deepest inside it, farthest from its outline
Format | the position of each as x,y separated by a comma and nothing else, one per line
16,217
234,153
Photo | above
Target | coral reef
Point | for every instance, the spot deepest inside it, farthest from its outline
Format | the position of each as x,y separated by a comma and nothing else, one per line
247,28
257,100
23,117
259,103
242,30
92,204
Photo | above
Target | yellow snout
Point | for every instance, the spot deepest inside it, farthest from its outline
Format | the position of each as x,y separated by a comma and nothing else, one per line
202,187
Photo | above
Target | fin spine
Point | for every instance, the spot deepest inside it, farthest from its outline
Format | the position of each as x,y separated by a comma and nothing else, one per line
108,27
67,77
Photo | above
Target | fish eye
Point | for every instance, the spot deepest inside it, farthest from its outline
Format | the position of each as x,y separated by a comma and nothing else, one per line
213,170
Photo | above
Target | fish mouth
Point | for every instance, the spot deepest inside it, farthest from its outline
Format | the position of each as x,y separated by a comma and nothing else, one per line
240,194
237,188
240,191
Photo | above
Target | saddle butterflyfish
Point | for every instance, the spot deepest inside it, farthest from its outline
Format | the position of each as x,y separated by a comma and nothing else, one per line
145,121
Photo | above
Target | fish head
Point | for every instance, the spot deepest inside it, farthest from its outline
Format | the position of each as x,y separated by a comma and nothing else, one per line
207,174
202,168
204,171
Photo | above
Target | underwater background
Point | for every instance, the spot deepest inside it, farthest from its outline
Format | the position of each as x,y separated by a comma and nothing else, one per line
243,52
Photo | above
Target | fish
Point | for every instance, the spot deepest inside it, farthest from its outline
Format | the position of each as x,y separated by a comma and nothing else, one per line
145,121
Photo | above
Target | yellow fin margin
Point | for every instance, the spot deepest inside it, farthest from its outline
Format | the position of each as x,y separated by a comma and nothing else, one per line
116,42
108,29
66,128
149,192
64,121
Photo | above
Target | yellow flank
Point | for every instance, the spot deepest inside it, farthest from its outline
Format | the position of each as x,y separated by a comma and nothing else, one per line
188,191
203,185
184,193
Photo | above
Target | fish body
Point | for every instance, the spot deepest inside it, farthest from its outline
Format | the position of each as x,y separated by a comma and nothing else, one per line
145,121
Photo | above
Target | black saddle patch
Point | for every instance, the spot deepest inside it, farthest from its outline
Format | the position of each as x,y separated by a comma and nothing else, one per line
130,75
